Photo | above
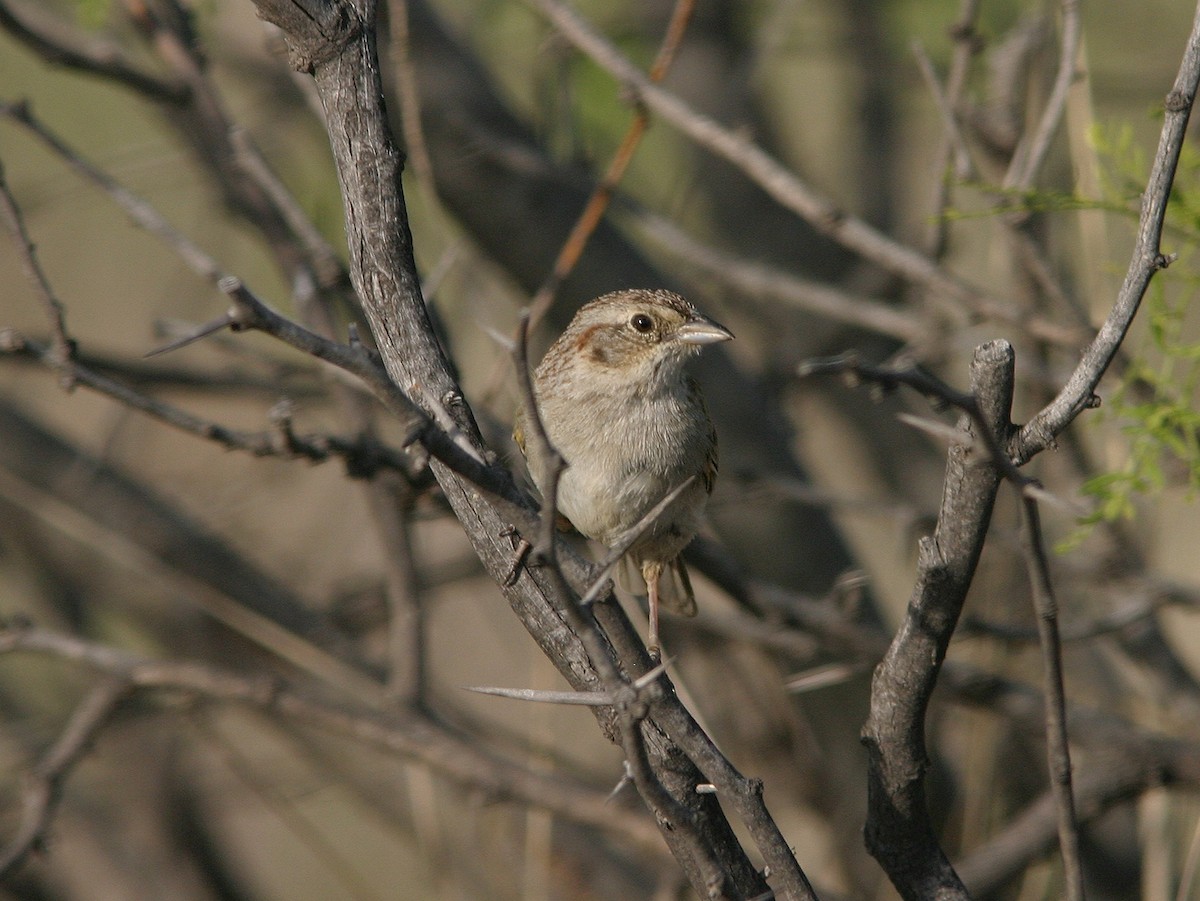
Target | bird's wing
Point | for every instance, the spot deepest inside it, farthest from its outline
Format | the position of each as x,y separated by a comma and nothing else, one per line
708,474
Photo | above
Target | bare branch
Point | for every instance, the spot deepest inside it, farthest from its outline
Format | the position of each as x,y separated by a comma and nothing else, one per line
1078,394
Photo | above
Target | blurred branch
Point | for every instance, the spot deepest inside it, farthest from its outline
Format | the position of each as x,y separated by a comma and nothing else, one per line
87,54
954,293
966,47
139,210
352,884
226,152
602,194
392,504
1122,761
43,786
1031,152
768,283
301,379
460,759
1138,598
101,508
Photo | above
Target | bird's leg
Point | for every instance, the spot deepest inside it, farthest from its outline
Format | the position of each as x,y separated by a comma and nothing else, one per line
651,572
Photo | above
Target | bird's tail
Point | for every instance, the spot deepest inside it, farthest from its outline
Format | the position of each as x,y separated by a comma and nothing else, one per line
674,587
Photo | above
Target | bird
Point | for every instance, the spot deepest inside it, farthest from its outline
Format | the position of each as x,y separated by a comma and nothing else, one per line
632,426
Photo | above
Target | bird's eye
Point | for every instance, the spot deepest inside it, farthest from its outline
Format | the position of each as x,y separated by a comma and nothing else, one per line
641,323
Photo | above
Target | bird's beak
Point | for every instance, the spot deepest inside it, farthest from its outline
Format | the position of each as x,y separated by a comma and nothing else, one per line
701,330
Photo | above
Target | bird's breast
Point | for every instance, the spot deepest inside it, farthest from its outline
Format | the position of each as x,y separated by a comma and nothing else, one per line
623,460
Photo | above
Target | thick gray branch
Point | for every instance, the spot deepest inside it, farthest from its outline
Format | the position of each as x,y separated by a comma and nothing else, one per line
898,831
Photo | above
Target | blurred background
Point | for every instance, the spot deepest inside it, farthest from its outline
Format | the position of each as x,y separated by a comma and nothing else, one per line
132,533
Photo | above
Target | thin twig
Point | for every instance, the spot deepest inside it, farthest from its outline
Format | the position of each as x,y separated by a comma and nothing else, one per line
551,461
249,312
364,456
930,386
966,46
1058,749
580,698
628,538
62,347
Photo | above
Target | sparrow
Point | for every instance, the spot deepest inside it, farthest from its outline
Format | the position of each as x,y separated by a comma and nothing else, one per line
632,426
